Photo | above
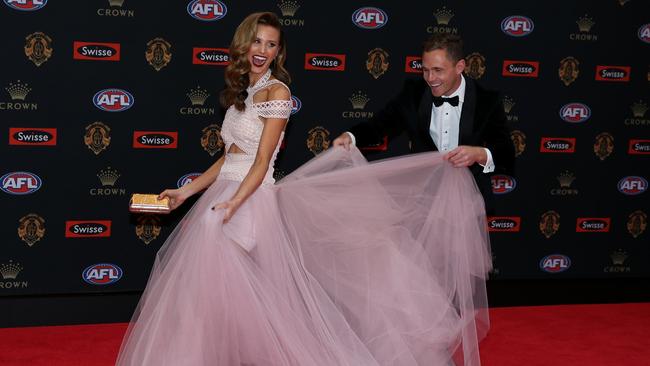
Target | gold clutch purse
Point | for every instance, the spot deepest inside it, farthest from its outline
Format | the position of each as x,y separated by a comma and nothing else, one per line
149,203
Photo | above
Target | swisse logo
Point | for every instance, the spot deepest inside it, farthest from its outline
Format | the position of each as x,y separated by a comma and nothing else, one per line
575,113
323,61
369,18
32,136
413,64
26,5
102,274
502,184
517,26
155,140
613,73
644,33
210,56
296,104
207,10
113,100
593,224
187,179
503,223
88,229
639,147
19,183
96,51
632,185
558,145
526,69
555,263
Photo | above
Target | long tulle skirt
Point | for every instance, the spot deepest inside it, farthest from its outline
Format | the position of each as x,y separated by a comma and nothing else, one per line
343,262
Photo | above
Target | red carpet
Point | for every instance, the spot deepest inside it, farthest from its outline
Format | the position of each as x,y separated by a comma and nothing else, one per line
594,335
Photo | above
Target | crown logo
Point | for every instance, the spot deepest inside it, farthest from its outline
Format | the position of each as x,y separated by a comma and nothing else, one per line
198,96
443,16
618,257
585,23
639,108
508,103
10,271
359,100
116,2
566,179
288,7
18,90
108,177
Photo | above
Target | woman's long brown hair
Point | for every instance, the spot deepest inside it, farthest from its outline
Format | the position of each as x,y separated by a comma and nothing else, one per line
237,70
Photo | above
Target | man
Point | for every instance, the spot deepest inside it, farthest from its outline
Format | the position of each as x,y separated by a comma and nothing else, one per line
445,112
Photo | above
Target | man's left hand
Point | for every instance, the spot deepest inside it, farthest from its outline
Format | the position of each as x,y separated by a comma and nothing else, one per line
463,156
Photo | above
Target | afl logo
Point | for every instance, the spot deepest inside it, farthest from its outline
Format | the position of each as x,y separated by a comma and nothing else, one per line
113,100
555,263
19,183
26,5
517,26
502,184
187,179
369,18
644,33
102,274
575,113
207,10
296,104
631,185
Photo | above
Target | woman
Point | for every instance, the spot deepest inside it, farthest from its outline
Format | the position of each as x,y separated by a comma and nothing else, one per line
331,267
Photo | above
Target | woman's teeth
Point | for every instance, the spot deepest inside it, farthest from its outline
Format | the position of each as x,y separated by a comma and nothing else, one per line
259,60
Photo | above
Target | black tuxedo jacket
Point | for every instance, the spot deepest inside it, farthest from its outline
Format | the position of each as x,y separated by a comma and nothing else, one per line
482,123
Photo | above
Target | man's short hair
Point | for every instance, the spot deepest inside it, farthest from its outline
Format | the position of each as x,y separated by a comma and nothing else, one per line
453,44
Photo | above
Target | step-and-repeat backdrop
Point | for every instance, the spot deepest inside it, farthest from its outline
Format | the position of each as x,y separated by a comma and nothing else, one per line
103,98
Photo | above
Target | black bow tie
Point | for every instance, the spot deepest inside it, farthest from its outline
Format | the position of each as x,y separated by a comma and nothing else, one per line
438,101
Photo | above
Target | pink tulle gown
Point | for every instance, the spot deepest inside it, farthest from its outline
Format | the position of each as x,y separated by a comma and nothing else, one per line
343,262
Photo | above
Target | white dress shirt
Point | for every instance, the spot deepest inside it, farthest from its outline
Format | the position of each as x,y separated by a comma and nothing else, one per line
445,125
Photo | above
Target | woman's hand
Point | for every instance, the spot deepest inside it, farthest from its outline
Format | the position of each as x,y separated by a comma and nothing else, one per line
176,197
230,207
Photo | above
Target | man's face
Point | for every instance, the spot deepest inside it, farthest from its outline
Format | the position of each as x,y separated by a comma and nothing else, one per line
441,73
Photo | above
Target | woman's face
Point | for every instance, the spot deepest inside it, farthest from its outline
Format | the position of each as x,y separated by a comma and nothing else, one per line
263,50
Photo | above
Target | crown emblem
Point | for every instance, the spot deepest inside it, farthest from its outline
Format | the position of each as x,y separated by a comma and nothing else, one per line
585,23
565,179
443,16
288,7
108,177
116,2
359,100
639,108
198,96
618,257
508,103
10,271
18,90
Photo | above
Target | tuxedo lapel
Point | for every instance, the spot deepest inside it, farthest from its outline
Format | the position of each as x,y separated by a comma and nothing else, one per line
424,116
467,114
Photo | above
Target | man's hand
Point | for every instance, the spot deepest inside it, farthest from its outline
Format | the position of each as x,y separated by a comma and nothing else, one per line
343,140
463,156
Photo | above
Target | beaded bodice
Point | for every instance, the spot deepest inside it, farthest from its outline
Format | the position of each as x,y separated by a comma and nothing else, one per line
244,129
